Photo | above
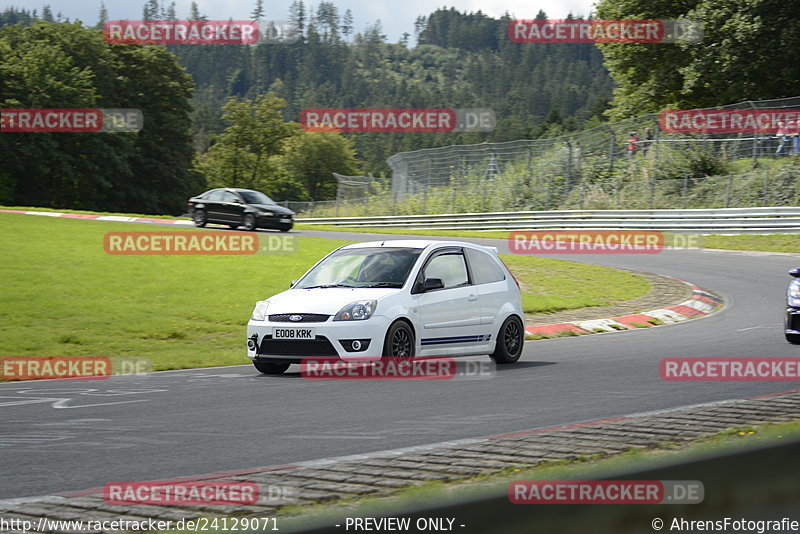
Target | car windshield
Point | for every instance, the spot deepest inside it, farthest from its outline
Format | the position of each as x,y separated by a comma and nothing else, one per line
362,267
256,197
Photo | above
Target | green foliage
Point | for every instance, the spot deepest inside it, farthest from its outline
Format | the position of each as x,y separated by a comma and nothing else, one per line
129,305
312,157
243,154
673,176
742,55
464,60
62,65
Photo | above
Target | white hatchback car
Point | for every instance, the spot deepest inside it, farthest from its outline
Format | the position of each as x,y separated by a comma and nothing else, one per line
395,299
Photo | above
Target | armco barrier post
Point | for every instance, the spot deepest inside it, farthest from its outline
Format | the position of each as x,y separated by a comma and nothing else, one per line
685,188
728,191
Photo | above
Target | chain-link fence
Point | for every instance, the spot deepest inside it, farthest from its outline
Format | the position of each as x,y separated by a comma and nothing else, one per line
630,164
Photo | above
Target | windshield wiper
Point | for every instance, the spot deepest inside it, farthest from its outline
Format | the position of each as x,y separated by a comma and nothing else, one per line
386,284
325,286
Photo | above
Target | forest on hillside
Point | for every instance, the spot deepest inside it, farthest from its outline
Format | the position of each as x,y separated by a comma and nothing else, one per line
202,103
462,60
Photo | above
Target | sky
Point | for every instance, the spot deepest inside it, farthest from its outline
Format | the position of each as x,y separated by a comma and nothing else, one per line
396,16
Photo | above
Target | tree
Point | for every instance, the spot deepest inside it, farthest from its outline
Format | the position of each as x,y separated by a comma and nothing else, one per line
297,16
419,25
194,12
738,59
153,10
47,13
12,15
102,17
327,21
51,65
258,11
373,34
313,157
347,24
256,132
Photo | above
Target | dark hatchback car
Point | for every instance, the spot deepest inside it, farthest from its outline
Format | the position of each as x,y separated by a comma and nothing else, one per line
792,319
239,207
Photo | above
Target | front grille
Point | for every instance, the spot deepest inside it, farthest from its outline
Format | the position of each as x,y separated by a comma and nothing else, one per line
794,321
304,317
290,347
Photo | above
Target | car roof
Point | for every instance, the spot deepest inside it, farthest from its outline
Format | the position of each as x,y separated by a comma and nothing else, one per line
416,243
239,189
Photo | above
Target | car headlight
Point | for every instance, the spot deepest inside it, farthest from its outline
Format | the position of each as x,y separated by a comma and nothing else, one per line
794,293
260,311
267,213
357,311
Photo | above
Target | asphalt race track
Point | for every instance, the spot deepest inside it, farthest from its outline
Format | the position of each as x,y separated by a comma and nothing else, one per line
76,434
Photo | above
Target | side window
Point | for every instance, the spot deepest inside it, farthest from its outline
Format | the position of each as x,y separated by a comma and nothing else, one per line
484,268
229,197
215,195
450,267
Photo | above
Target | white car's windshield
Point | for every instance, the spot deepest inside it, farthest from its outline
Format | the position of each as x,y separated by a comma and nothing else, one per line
362,267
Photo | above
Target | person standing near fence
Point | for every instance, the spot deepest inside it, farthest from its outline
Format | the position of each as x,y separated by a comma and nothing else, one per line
794,135
633,144
781,135
648,139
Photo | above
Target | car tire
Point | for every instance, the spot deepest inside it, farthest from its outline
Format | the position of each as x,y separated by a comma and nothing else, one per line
249,222
284,228
269,368
399,343
794,339
234,226
510,340
200,218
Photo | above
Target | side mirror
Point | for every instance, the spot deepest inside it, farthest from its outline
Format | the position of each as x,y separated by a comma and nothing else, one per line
293,282
795,272
432,283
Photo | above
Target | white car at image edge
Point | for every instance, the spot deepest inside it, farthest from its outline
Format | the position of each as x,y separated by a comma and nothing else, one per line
394,298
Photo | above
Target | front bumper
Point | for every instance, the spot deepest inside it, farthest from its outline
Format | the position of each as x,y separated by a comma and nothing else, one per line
791,321
275,221
331,339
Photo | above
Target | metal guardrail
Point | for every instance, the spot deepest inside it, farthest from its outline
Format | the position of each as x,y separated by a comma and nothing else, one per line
722,220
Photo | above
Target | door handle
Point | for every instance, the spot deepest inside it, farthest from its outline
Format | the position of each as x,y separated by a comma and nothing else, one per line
472,298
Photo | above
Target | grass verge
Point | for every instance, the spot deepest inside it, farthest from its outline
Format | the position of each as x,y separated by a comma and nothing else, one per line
64,296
